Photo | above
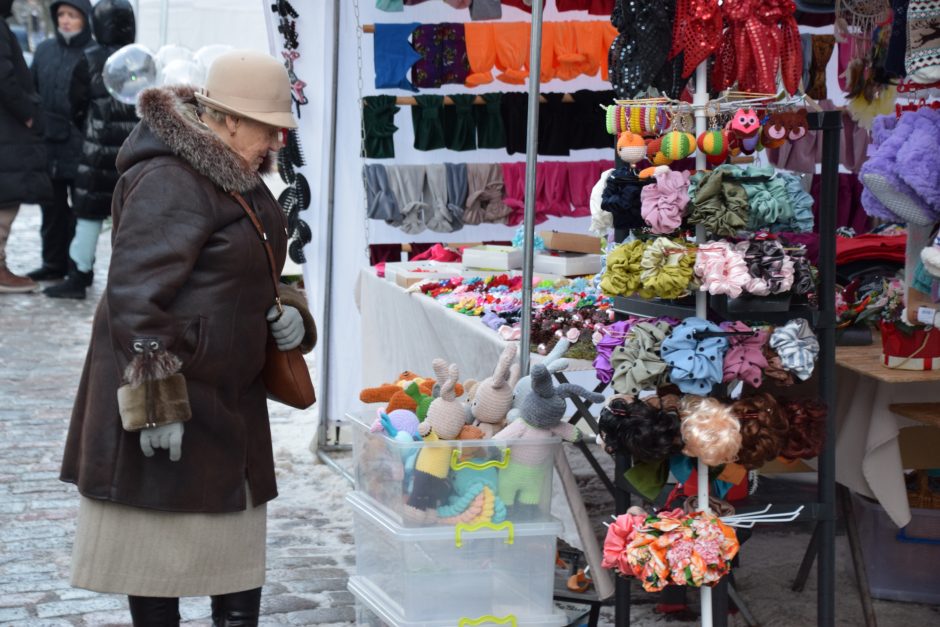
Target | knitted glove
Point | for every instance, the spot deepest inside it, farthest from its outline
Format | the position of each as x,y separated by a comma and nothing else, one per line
168,436
287,329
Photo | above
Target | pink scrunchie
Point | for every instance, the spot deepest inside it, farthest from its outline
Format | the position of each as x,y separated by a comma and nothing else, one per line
721,269
664,203
745,358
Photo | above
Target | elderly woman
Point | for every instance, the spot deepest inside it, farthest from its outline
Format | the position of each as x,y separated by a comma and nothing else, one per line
177,348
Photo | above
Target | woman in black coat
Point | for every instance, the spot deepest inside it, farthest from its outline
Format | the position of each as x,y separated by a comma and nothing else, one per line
62,82
23,177
107,125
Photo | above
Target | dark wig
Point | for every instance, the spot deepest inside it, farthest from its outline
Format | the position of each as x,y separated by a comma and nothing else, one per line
636,428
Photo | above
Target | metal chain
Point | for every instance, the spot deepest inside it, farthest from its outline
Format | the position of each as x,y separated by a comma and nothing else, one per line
362,126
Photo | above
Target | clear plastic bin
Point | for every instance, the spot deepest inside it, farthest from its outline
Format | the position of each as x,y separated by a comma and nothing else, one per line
901,564
370,612
435,573
486,480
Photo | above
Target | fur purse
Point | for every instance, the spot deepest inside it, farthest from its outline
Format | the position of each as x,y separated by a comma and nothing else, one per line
285,375
155,393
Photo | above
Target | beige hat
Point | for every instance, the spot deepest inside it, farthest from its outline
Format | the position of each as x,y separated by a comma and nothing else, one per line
249,84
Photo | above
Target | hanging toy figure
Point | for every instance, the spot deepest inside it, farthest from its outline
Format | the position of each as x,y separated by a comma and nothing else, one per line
631,148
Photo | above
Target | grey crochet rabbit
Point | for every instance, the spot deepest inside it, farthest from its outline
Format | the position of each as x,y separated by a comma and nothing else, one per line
543,411
491,398
554,361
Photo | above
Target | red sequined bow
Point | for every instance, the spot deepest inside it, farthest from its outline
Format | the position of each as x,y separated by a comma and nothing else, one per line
696,32
762,36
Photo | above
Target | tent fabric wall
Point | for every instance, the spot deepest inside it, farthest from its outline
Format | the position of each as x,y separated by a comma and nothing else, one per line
351,231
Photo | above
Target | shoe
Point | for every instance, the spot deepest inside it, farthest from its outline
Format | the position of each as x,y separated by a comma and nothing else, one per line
72,287
14,284
45,273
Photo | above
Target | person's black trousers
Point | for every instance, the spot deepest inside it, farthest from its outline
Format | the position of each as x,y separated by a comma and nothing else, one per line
58,227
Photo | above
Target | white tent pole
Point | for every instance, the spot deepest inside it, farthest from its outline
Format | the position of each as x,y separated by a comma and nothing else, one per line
164,21
531,159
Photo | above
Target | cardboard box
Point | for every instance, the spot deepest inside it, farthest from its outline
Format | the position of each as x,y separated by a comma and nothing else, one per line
572,242
567,264
407,273
493,257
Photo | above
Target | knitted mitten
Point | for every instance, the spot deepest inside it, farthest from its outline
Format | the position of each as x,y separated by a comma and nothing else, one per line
922,61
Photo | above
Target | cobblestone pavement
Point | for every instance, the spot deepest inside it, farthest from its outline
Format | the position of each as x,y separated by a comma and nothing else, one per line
42,348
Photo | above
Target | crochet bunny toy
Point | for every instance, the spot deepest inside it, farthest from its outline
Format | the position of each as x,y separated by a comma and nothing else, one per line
554,362
543,411
491,399
445,421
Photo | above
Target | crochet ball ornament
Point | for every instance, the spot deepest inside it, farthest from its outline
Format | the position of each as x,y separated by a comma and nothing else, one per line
713,143
678,145
631,148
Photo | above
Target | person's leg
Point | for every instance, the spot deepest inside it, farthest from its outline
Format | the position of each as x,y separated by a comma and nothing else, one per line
154,611
9,282
57,225
81,261
238,609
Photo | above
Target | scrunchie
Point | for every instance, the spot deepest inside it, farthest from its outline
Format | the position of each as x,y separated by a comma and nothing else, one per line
745,359
638,364
801,203
611,337
721,269
696,363
718,202
664,203
797,346
775,369
768,197
622,277
622,198
666,269
804,274
770,267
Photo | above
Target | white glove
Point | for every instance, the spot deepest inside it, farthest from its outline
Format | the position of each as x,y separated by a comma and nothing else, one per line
288,330
165,436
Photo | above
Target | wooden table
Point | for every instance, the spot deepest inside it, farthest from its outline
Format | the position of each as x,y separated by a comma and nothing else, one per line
867,361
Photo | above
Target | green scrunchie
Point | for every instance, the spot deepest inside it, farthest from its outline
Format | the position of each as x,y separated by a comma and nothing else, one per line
378,122
667,268
768,197
622,276
718,203
428,119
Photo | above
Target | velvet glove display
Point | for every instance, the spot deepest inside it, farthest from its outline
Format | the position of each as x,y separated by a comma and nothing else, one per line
287,329
168,436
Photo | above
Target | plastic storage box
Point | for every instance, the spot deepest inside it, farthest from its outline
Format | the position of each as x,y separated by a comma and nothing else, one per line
492,257
370,612
432,574
901,563
509,479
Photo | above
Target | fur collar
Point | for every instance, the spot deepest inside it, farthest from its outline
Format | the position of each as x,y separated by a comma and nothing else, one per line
170,113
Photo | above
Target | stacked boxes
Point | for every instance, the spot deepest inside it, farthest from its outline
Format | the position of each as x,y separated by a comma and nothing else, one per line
485,550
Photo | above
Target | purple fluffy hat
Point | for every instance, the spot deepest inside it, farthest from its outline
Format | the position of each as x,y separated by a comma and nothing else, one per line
900,175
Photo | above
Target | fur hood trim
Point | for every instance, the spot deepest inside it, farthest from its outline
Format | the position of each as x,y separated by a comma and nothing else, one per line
170,113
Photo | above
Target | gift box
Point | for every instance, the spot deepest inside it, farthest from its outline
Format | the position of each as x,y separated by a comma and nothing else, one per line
904,349
567,264
571,242
490,257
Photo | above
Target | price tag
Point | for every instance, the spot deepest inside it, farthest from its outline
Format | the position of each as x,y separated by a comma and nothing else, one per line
926,315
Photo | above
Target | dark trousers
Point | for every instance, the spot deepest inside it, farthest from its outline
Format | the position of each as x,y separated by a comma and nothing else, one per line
58,227
238,609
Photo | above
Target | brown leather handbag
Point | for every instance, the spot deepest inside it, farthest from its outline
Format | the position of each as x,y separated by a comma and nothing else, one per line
285,374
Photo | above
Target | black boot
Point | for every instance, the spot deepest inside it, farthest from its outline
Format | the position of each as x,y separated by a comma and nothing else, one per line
46,273
73,286
238,609
154,611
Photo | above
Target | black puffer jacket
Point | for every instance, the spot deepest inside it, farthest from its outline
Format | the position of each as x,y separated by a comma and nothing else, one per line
109,121
62,81
23,176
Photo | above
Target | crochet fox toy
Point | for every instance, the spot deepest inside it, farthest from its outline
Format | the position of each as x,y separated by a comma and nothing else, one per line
409,392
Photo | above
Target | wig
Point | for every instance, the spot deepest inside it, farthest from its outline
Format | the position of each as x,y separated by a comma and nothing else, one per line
807,424
764,429
636,428
710,430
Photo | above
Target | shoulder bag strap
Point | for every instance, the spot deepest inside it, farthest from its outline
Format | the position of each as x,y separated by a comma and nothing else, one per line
267,247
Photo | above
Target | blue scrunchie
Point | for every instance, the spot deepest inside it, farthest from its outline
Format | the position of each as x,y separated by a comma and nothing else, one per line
696,364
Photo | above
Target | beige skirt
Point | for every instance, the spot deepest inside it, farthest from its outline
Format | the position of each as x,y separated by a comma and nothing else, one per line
131,550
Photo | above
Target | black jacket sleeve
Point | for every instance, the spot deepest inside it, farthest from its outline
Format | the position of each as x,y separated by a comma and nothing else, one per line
13,97
79,92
